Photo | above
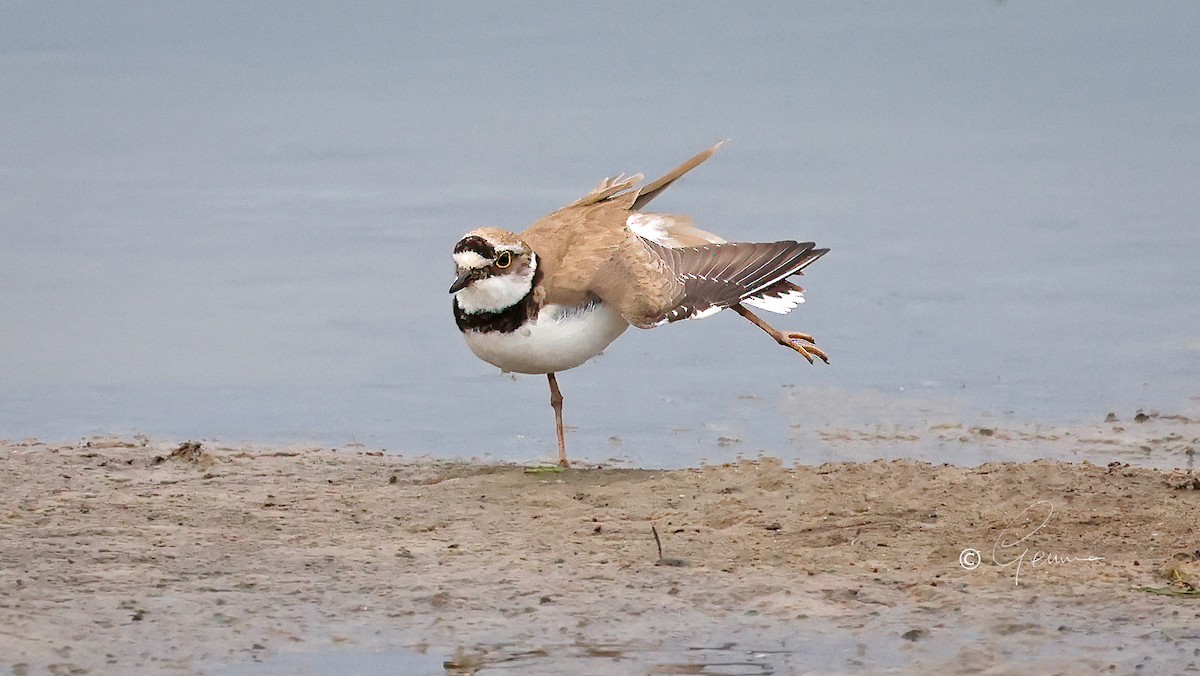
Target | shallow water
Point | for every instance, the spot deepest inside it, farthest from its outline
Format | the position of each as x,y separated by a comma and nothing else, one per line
234,222
1041,637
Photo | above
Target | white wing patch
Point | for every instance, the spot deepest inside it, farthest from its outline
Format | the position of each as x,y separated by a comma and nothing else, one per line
650,226
670,230
779,305
706,313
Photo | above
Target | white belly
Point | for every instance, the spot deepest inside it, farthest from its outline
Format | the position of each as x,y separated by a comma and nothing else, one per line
557,341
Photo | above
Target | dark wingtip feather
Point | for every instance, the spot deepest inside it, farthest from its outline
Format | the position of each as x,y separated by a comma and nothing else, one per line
720,275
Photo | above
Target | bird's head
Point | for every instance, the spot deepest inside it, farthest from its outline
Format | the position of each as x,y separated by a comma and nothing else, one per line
495,270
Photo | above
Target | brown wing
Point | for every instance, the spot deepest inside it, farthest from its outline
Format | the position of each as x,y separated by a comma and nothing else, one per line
587,252
716,276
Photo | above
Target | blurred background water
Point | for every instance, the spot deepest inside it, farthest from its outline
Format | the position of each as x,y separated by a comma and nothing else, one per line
233,220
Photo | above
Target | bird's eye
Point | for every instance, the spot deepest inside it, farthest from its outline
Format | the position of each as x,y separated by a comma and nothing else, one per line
504,259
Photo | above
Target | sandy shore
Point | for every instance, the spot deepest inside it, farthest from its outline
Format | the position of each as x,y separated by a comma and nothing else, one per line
121,556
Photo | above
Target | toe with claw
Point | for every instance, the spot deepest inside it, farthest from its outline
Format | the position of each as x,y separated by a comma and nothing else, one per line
800,342
805,345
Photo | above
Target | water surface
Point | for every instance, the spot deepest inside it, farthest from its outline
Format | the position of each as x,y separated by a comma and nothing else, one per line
233,221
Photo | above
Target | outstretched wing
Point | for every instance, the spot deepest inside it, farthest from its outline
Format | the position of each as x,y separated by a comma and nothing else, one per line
656,268
713,277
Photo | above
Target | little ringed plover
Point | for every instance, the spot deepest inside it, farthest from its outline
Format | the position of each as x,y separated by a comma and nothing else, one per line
557,294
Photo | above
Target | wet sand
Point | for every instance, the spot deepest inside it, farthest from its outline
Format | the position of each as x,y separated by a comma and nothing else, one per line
124,555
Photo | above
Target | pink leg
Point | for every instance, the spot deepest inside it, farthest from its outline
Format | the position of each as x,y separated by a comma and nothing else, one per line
556,401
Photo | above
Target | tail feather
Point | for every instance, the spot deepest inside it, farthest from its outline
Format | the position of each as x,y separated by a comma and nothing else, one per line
781,297
655,187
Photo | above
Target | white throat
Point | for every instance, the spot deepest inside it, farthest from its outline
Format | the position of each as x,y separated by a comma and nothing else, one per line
495,293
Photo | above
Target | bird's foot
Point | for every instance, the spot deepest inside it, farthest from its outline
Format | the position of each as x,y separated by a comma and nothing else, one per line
804,344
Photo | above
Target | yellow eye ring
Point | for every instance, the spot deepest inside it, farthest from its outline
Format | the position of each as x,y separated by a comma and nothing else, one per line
503,260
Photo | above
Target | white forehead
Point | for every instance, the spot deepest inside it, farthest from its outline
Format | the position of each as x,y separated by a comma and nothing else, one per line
470,259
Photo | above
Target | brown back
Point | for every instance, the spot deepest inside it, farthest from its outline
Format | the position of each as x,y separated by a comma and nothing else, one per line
588,252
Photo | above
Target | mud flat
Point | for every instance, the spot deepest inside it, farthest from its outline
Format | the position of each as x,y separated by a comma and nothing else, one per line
123,555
